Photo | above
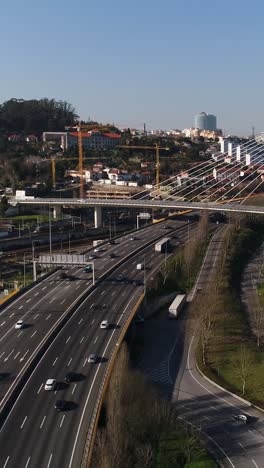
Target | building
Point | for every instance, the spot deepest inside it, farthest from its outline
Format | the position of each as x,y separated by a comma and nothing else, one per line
204,121
94,139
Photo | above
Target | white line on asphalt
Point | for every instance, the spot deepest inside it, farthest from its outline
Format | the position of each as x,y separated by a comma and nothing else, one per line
63,301
50,458
73,390
53,299
82,340
87,284
6,462
34,333
85,362
113,293
78,286
253,461
123,293
12,314
62,419
37,293
16,355
23,357
26,465
241,445
102,293
44,288
69,362
34,318
91,305
42,422
20,333
78,282
21,307
9,355
28,300
56,359
80,321
95,339
68,339
92,321
2,354
22,425
47,318
3,323
114,306
39,390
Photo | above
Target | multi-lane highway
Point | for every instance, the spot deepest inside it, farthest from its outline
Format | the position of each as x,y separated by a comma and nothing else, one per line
45,438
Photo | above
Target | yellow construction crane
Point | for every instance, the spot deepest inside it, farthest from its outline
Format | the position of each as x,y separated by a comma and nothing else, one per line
157,147
54,160
80,149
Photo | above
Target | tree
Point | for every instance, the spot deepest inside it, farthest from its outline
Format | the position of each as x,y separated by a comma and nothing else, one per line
242,366
206,323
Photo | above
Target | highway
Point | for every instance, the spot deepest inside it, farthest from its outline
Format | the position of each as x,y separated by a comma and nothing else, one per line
169,362
43,436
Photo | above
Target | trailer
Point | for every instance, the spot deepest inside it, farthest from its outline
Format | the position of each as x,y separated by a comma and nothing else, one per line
177,305
162,245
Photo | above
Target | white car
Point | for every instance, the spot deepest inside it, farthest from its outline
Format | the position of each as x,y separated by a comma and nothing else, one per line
92,358
19,324
50,384
97,249
242,417
104,324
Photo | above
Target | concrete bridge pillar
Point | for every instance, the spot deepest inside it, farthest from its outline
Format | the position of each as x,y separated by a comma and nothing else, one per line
56,211
97,216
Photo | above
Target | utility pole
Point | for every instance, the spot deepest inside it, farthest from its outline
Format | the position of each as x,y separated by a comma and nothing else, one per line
33,262
24,270
93,274
50,242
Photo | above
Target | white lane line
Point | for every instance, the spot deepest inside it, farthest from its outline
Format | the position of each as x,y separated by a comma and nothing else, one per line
21,307
80,321
92,322
95,339
28,300
53,299
34,318
87,284
6,462
82,340
16,355
253,461
124,271
44,288
47,318
78,282
241,445
113,293
63,301
73,390
20,333
78,286
37,293
12,315
50,458
23,357
102,293
123,294
34,333
22,425
68,339
85,362
69,363
91,306
3,323
42,422
2,354
114,306
26,465
6,359
62,419
56,359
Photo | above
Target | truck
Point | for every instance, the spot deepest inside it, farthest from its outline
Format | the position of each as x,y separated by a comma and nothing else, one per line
140,266
162,245
177,305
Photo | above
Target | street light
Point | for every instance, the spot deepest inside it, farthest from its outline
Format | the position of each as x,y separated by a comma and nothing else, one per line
50,243
145,279
33,262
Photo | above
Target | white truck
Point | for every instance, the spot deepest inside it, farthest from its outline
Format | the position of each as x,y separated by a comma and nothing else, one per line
162,245
177,305
140,266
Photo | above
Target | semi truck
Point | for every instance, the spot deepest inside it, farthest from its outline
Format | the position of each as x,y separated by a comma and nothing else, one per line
162,245
177,305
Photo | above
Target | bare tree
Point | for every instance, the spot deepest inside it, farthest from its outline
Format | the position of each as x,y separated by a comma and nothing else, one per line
258,317
206,323
242,366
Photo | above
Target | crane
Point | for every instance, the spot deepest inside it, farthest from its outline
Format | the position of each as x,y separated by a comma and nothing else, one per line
157,147
80,149
54,160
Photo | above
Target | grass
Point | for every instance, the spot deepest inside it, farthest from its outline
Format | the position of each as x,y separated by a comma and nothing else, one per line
171,453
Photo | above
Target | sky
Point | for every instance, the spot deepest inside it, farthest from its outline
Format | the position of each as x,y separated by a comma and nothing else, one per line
158,62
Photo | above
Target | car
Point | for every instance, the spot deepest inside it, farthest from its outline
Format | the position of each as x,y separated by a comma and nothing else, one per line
88,269
92,256
112,255
97,249
132,238
92,358
19,324
71,278
167,227
70,377
63,275
119,278
242,417
60,405
112,242
50,384
104,324
138,283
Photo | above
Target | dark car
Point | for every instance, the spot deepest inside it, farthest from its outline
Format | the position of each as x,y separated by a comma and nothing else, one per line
60,405
70,377
63,275
112,255
112,242
138,283
71,278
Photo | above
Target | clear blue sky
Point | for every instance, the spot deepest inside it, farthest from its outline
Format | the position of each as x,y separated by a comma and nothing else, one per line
158,62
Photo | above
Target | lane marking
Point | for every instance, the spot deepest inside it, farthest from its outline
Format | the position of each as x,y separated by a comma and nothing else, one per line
2,354
3,323
39,390
91,306
26,465
44,288
69,362
53,299
20,333
55,361
35,316
42,422
253,461
16,355
63,301
85,362
95,339
12,315
102,293
37,293
80,321
62,419
23,357
34,333
47,318
22,425
28,300
113,293
92,321
13,350
21,307
82,340
241,445
73,390
50,458
68,339
6,462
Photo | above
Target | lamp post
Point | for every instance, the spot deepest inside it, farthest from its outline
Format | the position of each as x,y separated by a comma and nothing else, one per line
33,262
24,270
50,242
145,279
